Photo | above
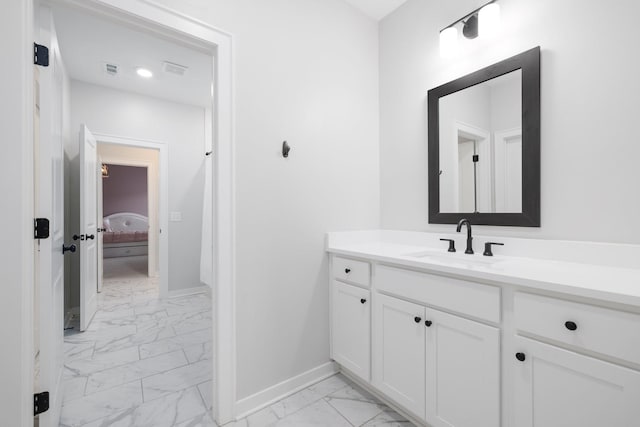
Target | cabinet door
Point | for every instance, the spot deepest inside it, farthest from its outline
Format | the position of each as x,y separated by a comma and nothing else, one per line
351,328
559,388
462,371
399,340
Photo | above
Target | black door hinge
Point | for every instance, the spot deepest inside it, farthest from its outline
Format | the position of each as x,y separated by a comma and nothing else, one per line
40,55
40,402
41,228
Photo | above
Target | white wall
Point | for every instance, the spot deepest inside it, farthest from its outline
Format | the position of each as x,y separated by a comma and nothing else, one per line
181,127
305,72
589,110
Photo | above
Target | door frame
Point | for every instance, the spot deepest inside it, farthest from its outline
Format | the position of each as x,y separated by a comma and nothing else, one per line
162,203
16,367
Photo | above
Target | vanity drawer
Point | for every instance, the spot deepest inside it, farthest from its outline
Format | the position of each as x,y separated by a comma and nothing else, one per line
606,331
467,298
350,270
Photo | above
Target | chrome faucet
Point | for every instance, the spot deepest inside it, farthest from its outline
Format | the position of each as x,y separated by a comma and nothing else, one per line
462,222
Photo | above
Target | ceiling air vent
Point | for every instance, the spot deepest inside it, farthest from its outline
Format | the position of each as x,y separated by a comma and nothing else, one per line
111,69
177,69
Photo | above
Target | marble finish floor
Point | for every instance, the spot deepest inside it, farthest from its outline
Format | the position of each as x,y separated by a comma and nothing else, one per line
143,361
146,362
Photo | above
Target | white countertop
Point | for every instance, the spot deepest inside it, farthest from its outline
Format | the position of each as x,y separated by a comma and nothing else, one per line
603,281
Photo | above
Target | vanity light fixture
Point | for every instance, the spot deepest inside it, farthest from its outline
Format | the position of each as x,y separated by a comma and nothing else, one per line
143,72
483,21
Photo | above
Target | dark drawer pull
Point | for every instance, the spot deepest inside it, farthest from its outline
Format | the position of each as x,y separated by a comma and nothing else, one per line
347,270
570,325
417,319
428,323
363,300
520,356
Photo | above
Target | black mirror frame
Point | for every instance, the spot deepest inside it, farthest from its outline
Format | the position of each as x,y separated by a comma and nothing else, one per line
529,63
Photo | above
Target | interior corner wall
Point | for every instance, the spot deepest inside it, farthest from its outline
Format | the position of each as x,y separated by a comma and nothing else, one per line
306,71
589,90
181,127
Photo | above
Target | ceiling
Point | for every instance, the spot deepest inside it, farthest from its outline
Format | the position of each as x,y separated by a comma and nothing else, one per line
376,9
88,43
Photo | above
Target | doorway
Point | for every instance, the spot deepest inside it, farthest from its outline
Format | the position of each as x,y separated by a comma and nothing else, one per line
218,44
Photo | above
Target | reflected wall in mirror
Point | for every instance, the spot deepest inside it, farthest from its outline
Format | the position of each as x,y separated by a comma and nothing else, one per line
484,145
481,147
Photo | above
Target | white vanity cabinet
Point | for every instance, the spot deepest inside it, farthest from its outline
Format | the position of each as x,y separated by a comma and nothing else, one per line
555,386
351,328
462,372
399,351
351,315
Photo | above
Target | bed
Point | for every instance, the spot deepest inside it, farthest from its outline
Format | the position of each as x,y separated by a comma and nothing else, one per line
127,234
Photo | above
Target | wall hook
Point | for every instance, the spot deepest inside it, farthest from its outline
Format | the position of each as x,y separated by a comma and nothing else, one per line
285,149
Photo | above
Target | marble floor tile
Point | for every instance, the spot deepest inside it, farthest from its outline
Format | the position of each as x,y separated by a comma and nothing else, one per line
203,420
73,388
134,371
167,411
159,385
206,391
78,350
100,362
263,418
356,406
317,414
305,397
388,418
198,352
175,343
79,412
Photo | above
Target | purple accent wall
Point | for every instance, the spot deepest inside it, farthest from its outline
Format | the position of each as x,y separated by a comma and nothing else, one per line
125,190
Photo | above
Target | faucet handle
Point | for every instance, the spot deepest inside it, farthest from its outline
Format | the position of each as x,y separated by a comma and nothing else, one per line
452,244
487,248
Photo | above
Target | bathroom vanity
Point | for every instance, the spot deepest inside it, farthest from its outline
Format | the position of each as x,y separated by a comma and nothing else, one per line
544,333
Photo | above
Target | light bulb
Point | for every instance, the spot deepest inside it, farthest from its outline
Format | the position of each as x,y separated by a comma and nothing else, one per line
489,18
448,42
143,72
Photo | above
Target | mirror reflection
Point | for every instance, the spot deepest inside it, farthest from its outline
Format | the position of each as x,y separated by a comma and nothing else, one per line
480,141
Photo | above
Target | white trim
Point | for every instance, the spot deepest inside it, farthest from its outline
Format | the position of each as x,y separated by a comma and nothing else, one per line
484,184
156,18
163,194
194,290
270,395
501,138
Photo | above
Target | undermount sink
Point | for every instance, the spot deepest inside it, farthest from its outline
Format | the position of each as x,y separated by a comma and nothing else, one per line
455,258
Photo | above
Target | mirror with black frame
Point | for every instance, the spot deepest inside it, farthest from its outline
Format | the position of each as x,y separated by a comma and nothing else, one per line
484,145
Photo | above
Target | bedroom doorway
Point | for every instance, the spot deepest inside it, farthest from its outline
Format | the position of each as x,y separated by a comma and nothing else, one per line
128,204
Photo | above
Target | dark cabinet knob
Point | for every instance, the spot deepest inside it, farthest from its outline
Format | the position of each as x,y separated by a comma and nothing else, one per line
428,323
90,236
570,325
70,248
417,319
520,356
363,300
80,237
347,270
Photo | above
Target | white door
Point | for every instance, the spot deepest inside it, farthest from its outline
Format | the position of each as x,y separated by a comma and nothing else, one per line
88,227
49,203
508,170
100,230
350,329
559,388
399,352
463,372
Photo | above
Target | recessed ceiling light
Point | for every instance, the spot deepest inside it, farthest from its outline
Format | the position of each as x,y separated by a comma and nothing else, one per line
143,72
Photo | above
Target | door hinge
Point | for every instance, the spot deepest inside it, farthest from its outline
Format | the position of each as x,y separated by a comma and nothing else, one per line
41,228
40,55
40,402
476,158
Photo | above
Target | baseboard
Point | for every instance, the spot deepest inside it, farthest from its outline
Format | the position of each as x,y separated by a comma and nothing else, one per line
270,395
189,291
